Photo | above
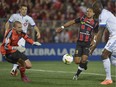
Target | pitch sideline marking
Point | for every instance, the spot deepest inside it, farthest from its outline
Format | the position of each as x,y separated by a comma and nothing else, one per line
51,71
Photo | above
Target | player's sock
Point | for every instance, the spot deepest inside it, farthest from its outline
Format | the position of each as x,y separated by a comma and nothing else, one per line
78,72
15,66
82,66
22,71
106,63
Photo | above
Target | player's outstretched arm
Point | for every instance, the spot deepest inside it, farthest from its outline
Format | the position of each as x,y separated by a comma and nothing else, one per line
59,29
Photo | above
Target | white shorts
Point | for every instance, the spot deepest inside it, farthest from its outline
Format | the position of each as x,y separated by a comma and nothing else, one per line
21,42
111,45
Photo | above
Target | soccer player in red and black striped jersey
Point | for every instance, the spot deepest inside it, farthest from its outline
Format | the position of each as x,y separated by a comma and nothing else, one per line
87,26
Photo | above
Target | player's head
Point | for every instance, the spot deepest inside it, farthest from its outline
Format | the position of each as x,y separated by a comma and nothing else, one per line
97,6
17,26
90,12
23,10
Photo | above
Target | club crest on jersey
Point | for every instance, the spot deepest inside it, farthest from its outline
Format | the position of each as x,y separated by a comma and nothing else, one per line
25,24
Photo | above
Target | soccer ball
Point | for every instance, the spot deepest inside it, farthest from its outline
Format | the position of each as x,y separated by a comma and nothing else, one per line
67,59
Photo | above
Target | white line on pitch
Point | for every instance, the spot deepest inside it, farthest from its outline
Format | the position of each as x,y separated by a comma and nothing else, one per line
40,70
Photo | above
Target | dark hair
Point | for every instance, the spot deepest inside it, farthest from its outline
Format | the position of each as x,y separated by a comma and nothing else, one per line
23,5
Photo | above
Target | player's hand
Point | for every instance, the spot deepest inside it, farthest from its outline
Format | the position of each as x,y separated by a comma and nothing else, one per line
38,35
36,43
92,47
58,29
19,48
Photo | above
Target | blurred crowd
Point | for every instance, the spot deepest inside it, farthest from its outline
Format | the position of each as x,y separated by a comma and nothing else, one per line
50,14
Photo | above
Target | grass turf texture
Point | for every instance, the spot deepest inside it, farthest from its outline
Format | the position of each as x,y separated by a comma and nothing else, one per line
56,74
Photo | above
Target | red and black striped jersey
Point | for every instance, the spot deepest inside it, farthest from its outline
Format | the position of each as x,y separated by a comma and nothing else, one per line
87,26
11,39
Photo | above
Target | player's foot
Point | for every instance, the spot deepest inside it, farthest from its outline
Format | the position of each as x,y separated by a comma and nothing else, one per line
106,82
25,79
14,72
75,77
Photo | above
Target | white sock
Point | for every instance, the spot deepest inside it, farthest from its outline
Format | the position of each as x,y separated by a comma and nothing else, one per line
106,63
15,66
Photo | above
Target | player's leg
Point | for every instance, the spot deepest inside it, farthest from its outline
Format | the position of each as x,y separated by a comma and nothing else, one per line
23,63
107,67
110,47
83,64
28,64
77,58
22,68
84,60
14,71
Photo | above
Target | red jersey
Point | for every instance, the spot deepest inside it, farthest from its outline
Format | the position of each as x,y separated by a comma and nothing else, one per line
11,39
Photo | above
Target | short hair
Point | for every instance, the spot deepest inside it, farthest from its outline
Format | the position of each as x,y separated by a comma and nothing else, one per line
90,7
15,23
23,5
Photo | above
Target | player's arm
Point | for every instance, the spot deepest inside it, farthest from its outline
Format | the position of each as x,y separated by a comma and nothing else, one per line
31,21
38,31
65,25
68,24
95,31
97,39
30,40
7,41
7,25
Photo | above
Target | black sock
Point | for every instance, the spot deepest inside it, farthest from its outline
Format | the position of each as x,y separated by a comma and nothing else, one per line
78,72
81,65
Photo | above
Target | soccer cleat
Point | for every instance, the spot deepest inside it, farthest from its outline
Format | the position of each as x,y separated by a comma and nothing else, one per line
75,77
106,82
25,79
14,72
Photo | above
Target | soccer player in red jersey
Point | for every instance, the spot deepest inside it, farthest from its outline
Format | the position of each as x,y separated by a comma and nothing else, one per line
12,52
26,20
87,26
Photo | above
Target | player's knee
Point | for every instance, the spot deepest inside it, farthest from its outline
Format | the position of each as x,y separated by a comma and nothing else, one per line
76,60
28,66
104,56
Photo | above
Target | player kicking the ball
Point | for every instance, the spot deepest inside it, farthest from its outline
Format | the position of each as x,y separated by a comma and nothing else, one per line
87,26
12,52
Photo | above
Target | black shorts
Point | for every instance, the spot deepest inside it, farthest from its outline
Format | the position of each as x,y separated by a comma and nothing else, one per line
82,48
14,57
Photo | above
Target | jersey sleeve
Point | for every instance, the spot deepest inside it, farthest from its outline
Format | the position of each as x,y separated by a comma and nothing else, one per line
12,18
103,19
27,38
7,41
77,20
31,21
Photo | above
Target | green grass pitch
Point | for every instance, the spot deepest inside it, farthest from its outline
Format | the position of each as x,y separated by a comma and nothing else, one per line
56,74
